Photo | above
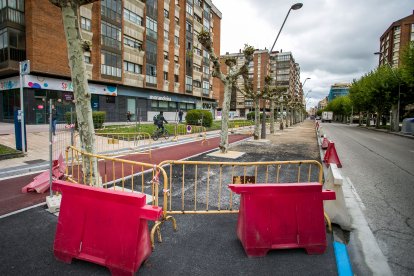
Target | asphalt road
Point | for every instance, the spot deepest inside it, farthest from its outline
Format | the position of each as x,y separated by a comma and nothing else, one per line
381,168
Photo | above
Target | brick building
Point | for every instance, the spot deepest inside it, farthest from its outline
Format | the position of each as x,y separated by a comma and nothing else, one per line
280,66
398,35
144,57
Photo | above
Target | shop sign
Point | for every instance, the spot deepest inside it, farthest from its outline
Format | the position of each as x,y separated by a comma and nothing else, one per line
67,96
37,82
160,98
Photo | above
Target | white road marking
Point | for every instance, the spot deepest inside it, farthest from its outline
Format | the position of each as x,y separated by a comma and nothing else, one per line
412,151
358,198
376,139
22,210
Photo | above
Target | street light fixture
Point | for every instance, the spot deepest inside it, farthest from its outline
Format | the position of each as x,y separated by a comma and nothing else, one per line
399,92
293,7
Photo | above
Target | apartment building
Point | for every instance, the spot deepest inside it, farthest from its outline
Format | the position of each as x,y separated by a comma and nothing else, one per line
323,103
141,56
398,35
280,66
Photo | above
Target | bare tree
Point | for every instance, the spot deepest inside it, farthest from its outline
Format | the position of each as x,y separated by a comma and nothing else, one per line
70,16
275,95
255,95
228,80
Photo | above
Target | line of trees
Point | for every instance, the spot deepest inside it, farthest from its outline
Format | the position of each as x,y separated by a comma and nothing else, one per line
377,93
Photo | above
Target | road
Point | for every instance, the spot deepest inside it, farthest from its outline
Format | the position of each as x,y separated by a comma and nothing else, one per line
381,168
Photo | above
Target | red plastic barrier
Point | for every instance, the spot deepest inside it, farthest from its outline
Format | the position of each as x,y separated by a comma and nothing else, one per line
279,216
331,156
325,143
103,226
40,183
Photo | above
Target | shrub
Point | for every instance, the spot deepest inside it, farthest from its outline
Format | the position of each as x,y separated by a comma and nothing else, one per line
250,115
98,118
194,116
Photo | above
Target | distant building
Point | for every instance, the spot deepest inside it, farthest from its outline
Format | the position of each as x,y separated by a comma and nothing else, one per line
280,66
337,90
323,103
394,39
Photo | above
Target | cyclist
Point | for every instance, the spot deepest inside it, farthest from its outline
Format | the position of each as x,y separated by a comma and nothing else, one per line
160,122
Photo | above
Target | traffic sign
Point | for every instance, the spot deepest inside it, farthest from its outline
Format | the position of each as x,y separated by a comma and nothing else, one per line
25,67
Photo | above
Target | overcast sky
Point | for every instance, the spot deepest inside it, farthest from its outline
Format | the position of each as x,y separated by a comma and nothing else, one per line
332,40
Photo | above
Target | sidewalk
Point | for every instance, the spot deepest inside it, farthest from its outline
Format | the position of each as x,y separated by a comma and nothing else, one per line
203,244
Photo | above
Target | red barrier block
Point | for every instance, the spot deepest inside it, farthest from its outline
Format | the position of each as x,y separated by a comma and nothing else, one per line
279,216
331,156
103,226
325,143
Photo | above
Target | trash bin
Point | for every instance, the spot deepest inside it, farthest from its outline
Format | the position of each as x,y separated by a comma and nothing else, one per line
408,126
18,131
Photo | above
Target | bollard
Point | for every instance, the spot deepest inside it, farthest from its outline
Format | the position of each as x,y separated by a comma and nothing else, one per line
331,156
279,216
103,226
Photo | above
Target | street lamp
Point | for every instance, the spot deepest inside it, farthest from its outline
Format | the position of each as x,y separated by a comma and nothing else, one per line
399,92
303,84
293,7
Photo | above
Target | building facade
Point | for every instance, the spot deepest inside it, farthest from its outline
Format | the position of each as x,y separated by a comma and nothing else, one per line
323,103
398,35
338,90
281,67
141,56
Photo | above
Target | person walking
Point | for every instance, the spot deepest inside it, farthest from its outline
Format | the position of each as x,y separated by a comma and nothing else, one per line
128,116
180,116
54,119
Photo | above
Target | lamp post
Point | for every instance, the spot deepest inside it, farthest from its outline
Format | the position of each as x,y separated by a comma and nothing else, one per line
397,127
293,7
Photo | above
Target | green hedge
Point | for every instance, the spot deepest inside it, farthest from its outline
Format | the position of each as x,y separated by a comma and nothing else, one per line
98,118
250,115
194,116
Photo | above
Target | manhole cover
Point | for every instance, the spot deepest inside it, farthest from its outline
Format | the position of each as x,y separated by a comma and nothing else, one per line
34,161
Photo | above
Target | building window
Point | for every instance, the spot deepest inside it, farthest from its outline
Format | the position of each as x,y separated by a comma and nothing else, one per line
86,24
151,52
206,88
206,70
206,24
111,64
175,78
132,42
165,55
198,18
110,35
166,14
132,17
132,67
176,59
152,28
112,9
177,20
165,75
412,32
188,84
188,27
189,9
176,40
87,59
197,51
197,67
197,2
151,77
166,35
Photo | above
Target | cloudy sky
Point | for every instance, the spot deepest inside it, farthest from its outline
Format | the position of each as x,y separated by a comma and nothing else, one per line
332,40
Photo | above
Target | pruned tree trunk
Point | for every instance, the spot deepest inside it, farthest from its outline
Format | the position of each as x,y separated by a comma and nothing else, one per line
224,137
82,96
394,118
272,116
256,119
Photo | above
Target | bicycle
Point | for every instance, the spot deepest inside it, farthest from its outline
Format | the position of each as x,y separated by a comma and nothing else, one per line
158,132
